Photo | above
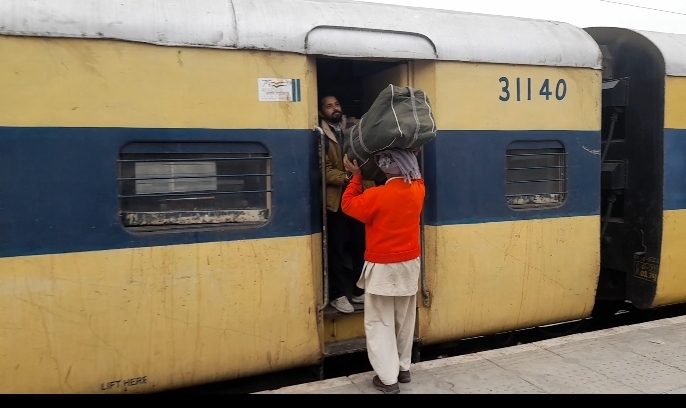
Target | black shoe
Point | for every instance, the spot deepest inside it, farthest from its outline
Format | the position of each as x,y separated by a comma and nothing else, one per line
404,377
386,389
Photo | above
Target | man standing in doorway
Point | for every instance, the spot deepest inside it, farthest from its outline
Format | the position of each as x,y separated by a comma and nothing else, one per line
391,214
342,228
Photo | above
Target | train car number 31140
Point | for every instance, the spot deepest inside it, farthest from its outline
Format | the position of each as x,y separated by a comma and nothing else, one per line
524,89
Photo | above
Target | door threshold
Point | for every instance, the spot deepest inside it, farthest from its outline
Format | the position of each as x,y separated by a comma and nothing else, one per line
330,311
345,347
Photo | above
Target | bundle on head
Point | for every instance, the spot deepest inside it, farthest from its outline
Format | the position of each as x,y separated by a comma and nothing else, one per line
399,119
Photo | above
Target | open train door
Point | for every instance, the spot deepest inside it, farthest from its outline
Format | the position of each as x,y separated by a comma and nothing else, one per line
354,65
356,84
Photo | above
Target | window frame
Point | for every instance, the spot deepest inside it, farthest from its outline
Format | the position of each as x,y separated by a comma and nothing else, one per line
563,175
178,220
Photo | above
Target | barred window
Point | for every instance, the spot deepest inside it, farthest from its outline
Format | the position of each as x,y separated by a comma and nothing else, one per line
536,174
184,184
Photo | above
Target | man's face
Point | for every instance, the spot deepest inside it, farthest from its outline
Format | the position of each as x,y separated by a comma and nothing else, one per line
331,110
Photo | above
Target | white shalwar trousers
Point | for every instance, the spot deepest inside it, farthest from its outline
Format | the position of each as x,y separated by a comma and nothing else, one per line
389,327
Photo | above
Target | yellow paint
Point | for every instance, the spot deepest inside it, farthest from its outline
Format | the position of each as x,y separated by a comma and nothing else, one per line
465,96
346,327
312,93
671,281
178,315
675,102
672,274
102,83
424,77
318,282
98,83
495,277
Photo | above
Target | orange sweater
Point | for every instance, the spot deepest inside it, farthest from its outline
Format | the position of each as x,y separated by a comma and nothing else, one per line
391,214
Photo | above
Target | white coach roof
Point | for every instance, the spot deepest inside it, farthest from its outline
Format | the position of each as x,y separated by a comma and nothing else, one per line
335,28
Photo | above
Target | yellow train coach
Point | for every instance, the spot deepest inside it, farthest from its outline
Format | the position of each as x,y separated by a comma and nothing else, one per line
161,194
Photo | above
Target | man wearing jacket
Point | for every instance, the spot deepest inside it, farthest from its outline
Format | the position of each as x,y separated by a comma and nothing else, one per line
391,215
342,228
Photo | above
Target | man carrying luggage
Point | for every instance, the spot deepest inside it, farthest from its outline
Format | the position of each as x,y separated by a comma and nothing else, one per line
391,215
342,228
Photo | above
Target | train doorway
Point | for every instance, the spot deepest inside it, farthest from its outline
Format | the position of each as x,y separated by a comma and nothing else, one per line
355,84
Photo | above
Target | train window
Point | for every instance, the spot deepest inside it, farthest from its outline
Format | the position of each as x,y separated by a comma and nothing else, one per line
185,184
536,175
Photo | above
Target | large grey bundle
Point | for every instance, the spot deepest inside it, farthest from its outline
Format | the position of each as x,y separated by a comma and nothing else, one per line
400,118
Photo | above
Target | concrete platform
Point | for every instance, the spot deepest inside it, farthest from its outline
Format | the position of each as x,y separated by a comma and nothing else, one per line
644,358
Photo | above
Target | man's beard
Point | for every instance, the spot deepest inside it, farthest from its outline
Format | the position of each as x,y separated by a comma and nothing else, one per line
336,118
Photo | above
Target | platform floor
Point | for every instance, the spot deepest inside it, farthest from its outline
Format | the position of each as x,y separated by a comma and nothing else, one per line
643,358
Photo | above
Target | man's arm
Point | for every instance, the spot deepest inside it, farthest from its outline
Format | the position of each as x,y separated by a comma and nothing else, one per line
335,176
356,202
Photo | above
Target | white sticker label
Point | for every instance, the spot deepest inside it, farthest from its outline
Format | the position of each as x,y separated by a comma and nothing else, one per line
278,90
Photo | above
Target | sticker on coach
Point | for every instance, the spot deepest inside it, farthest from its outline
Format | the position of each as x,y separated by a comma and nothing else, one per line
278,90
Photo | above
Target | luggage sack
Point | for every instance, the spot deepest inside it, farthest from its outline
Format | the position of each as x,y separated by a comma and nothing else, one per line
399,118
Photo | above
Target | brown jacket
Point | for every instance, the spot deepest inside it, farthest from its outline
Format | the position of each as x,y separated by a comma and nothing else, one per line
336,179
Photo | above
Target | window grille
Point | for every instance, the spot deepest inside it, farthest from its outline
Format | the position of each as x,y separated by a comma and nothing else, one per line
162,184
536,174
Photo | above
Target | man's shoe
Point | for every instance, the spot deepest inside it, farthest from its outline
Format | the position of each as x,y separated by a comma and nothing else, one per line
343,305
404,377
386,389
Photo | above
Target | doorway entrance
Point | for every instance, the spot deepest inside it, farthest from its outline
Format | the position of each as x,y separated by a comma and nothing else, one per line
356,84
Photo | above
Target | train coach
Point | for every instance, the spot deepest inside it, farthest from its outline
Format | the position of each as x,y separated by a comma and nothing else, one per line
161,218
